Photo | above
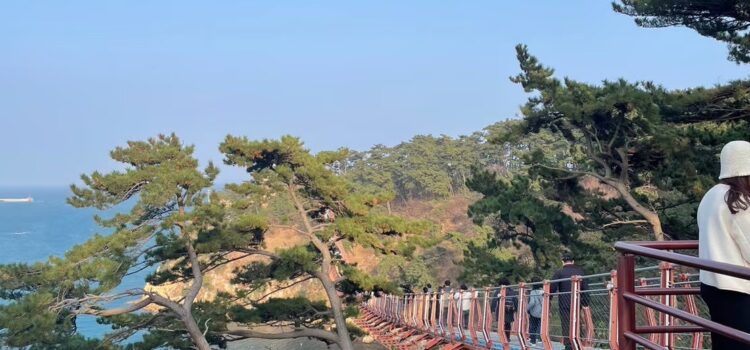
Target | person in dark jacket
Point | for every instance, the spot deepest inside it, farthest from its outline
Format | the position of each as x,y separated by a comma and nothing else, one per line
563,289
510,304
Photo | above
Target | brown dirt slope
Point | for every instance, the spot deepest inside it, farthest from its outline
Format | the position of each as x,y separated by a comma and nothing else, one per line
449,214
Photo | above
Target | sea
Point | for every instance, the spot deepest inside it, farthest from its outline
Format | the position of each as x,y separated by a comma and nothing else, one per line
46,227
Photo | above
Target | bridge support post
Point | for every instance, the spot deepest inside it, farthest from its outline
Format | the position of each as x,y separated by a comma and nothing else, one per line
626,284
613,312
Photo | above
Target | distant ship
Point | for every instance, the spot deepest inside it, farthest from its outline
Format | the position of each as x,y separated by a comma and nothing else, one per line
16,200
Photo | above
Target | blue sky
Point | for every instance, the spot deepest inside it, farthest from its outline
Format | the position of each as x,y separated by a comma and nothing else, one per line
78,78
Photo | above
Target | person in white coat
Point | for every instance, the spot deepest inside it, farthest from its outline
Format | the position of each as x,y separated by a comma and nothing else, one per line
463,301
724,236
534,308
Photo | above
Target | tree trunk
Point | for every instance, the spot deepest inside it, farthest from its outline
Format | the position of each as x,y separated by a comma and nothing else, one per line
338,313
195,332
388,205
326,265
650,216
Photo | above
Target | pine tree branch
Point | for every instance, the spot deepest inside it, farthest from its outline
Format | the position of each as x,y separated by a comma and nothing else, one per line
258,252
627,222
167,303
117,311
323,335
82,306
276,290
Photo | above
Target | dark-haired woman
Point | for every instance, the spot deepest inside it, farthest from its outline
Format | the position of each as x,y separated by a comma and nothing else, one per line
724,230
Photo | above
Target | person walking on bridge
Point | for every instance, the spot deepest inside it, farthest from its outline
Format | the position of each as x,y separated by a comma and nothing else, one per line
534,308
463,303
444,302
563,288
724,236
510,304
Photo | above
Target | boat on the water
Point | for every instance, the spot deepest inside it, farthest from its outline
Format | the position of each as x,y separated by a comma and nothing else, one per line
16,200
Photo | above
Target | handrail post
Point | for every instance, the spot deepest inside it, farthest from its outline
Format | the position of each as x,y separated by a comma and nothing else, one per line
613,312
544,327
422,307
626,284
433,309
650,315
697,341
472,317
414,322
428,311
667,281
385,310
451,311
501,318
487,318
407,310
404,312
414,311
460,315
441,317
521,321
575,309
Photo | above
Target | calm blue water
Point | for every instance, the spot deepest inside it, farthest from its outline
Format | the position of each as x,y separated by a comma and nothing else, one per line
48,226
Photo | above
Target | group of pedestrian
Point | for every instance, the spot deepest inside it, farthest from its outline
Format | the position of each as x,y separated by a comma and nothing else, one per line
560,286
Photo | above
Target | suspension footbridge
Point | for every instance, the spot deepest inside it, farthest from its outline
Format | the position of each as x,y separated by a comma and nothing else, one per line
653,307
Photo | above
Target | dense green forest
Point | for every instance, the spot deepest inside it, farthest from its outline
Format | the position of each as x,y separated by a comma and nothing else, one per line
586,165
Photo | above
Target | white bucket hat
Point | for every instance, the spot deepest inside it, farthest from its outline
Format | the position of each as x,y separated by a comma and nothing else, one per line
735,159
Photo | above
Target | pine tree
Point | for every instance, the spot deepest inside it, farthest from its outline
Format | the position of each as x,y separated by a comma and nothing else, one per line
617,127
329,208
169,223
723,20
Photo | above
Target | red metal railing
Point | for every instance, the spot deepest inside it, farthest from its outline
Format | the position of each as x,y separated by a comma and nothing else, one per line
476,318
601,314
662,335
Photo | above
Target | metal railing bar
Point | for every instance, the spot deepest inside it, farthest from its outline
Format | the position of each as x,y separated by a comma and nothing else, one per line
686,316
681,259
668,291
644,342
669,329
